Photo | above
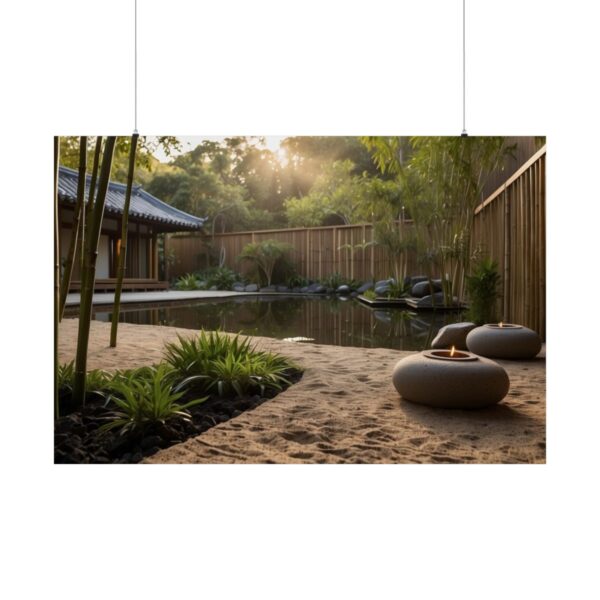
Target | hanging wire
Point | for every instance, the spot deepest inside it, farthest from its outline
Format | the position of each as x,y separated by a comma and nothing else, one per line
135,71
464,54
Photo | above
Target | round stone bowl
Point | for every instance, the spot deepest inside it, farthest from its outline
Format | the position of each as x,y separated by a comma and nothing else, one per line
435,378
504,341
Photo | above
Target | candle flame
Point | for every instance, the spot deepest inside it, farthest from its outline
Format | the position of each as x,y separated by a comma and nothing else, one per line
500,324
452,351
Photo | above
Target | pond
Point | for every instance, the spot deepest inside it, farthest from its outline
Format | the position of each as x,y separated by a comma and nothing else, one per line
322,320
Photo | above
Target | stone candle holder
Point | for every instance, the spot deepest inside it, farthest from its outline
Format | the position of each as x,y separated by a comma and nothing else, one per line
450,379
504,340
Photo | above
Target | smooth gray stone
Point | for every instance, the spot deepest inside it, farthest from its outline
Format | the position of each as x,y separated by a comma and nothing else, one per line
510,341
454,334
365,286
436,300
468,382
424,289
343,289
268,288
418,279
382,290
384,282
251,287
304,289
213,288
282,288
238,287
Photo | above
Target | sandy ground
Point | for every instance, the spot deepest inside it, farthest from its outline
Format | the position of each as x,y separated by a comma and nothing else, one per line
344,410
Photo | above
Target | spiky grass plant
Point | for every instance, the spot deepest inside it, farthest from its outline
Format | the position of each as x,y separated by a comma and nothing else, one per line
227,365
148,396
188,282
97,381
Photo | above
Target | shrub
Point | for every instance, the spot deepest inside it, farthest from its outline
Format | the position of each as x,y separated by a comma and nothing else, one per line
187,282
265,255
221,277
296,281
336,279
482,288
96,381
215,362
398,289
370,295
147,396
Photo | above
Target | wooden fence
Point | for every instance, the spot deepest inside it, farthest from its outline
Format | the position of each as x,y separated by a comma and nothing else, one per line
510,225
317,251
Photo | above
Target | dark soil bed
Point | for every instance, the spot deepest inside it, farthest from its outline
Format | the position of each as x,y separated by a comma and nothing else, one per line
77,438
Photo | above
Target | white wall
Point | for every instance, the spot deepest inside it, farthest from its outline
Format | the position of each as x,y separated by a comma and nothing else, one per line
103,262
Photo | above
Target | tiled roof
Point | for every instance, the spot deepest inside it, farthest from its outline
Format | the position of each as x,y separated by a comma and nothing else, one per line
142,206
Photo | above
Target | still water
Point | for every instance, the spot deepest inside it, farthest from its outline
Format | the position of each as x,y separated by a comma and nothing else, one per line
335,321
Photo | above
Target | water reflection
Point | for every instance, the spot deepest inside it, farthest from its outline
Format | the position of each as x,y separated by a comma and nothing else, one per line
341,322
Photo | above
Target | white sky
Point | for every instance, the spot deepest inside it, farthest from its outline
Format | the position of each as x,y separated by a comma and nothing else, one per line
190,142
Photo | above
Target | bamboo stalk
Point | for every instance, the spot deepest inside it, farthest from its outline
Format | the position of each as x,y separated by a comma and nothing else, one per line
56,273
123,254
87,291
92,191
79,208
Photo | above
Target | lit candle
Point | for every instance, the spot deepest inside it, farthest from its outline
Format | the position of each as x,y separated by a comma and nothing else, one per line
453,355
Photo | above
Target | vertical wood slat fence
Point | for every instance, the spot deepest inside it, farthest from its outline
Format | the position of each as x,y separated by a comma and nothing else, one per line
317,251
510,226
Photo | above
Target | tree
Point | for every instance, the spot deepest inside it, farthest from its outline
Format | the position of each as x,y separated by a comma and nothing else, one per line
340,193
266,255
440,184
146,163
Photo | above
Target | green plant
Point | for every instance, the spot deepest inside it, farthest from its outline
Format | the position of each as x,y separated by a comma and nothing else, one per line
96,381
335,280
187,282
217,362
192,356
370,295
398,289
482,288
246,375
147,396
265,255
221,277
296,281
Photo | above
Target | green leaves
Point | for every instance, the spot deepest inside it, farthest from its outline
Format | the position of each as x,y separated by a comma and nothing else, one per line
188,282
217,363
482,287
146,396
266,255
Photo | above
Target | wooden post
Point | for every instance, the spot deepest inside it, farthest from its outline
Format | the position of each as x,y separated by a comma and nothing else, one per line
507,224
166,256
308,269
154,255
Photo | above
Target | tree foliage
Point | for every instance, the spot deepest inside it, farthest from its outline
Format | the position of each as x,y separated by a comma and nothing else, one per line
440,185
339,196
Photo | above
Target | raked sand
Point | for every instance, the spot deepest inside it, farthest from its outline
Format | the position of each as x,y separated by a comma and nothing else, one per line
344,410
